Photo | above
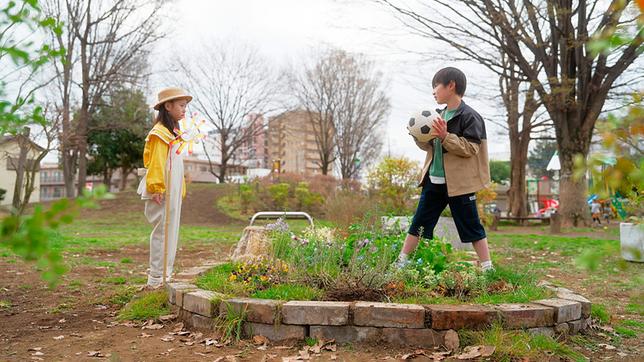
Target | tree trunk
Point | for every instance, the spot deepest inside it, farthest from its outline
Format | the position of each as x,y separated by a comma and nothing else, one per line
572,194
107,178
125,172
517,191
23,143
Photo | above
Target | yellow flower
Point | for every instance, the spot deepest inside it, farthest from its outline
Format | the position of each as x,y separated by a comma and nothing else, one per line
232,277
263,278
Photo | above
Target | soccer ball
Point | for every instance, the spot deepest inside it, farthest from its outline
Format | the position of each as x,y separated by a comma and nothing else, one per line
420,125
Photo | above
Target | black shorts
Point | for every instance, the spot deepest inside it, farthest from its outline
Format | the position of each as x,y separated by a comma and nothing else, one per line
433,200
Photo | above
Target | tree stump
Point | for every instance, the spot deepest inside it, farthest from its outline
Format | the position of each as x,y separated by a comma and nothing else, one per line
253,243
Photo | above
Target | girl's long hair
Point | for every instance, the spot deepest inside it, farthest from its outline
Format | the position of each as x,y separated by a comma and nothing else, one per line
165,119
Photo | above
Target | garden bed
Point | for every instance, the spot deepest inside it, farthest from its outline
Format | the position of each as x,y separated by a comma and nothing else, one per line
320,285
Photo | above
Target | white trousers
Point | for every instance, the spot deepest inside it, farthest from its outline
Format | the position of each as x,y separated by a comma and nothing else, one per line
156,215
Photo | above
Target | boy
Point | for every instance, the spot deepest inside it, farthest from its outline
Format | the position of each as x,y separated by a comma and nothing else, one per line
456,167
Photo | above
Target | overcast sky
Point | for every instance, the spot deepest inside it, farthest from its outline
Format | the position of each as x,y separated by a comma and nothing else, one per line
285,31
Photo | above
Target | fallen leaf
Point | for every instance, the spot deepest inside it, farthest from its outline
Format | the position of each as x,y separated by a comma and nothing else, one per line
304,355
183,333
153,326
167,338
439,356
416,353
257,340
263,347
37,353
94,354
606,346
34,349
178,327
229,358
58,338
189,343
209,341
145,335
169,317
62,320
283,347
471,352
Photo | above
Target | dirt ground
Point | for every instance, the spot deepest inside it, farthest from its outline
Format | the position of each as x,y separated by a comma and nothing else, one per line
73,322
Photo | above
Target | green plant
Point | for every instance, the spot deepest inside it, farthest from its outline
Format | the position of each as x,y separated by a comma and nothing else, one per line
260,272
279,195
5,304
623,174
150,305
29,236
599,312
218,279
515,345
122,295
114,280
246,196
393,181
289,292
231,324
310,341
307,200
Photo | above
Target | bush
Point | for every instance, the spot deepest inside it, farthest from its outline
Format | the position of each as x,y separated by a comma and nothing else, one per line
346,208
393,183
279,195
246,196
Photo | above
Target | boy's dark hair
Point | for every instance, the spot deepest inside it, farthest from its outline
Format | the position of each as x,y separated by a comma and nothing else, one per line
165,119
451,74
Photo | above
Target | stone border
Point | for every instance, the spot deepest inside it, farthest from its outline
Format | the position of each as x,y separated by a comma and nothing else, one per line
423,326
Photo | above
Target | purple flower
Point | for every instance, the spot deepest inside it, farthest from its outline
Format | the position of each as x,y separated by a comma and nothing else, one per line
363,243
280,226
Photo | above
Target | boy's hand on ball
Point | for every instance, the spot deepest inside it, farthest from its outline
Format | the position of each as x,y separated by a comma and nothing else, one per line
440,128
158,198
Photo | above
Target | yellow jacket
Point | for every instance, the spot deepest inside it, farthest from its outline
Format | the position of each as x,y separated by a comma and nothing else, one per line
155,156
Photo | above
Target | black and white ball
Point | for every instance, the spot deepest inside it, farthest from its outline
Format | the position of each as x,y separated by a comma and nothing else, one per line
420,125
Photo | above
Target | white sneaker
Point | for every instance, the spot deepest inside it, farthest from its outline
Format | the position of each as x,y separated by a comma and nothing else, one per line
401,264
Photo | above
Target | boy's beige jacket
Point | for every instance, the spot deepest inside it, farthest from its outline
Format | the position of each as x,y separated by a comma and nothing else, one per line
465,155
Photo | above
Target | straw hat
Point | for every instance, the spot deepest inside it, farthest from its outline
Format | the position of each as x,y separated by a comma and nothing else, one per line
169,94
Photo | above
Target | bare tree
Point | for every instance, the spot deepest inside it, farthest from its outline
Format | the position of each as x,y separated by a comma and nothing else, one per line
572,84
362,107
346,105
315,91
231,85
27,164
108,42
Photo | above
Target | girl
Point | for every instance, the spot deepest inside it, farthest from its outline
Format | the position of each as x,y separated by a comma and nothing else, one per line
163,185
